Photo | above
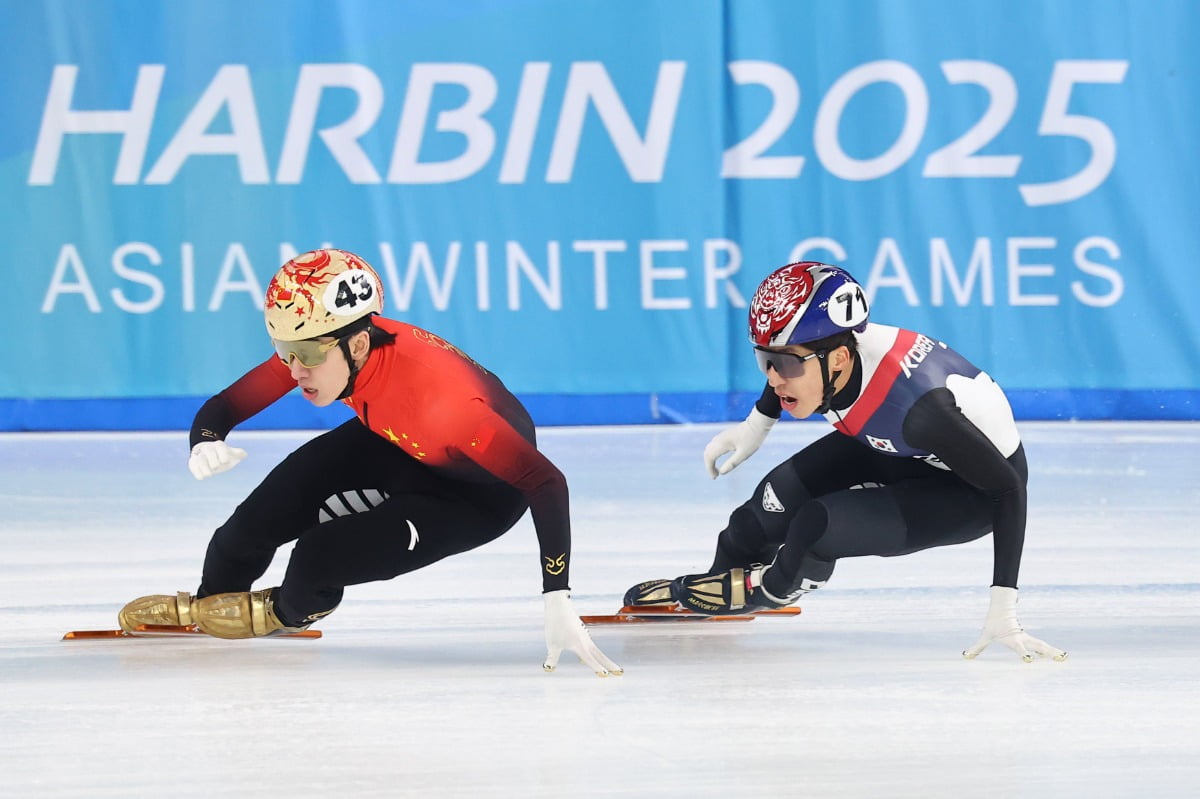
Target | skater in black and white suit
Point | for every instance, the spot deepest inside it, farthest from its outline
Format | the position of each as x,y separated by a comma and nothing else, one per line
925,454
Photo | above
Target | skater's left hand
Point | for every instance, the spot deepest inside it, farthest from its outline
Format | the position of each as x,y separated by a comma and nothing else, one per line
1002,625
743,440
564,631
213,457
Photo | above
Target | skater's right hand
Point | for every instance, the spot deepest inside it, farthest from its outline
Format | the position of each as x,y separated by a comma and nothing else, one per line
565,632
743,440
1002,625
213,457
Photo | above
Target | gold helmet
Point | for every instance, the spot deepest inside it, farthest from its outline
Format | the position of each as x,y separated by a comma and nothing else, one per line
320,292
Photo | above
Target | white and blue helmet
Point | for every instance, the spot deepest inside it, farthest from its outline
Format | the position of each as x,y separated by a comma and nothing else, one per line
804,302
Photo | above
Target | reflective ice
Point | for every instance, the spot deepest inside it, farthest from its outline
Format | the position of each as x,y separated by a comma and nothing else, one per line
431,685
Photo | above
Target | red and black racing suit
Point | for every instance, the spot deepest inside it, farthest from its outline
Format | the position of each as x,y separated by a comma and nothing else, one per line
441,459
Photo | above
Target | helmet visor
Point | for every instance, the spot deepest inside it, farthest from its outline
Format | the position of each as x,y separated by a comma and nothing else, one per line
310,352
785,364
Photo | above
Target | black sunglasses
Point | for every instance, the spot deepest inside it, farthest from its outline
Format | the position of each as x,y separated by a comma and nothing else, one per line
785,364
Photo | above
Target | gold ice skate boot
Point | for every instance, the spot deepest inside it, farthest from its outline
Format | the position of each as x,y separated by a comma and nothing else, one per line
244,614
157,609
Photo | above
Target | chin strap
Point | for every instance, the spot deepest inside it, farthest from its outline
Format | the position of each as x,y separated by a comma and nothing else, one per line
828,380
344,346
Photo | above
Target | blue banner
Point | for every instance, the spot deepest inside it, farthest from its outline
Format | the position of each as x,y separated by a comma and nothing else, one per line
584,195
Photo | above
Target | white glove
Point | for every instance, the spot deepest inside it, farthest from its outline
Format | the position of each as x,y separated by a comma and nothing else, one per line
564,630
1002,626
743,440
213,457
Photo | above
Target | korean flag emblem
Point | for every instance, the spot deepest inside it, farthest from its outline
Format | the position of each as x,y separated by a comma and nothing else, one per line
881,444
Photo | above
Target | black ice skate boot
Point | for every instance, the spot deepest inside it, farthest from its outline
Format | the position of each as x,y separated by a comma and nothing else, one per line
650,594
728,593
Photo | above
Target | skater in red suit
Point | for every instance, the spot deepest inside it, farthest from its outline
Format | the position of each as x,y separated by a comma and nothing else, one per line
440,458
925,454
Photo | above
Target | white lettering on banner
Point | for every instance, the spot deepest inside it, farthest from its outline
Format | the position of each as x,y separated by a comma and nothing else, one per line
187,275
887,255
714,274
1018,270
126,272
644,159
420,261
958,158
745,159
643,154
68,259
1057,122
467,119
342,138
979,270
523,130
58,119
599,251
955,160
829,117
517,262
653,275
236,259
230,90
550,289
1097,270
482,280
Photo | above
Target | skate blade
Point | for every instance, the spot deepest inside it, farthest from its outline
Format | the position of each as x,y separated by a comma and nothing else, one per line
660,613
165,631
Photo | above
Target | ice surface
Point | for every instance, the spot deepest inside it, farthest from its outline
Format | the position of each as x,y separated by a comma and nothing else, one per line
430,685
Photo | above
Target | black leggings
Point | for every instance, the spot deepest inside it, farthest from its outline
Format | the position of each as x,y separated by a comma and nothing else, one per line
359,510
837,498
